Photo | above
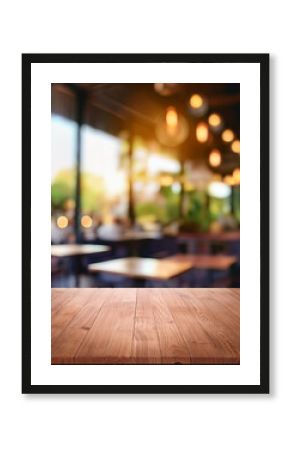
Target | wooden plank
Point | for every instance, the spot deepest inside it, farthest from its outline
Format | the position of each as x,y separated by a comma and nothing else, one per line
172,345
110,339
225,300
220,324
145,326
219,300
234,295
146,347
60,297
61,317
66,344
198,341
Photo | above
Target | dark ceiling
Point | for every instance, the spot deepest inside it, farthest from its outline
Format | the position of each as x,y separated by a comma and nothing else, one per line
142,102
137,108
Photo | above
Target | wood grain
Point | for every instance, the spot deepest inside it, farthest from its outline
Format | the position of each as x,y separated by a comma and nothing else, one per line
220,325
66,342
110,338
146,346
173,348
145,326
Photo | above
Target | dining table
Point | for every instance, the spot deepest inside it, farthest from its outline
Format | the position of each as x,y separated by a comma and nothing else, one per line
209,263
142,269
77,251
145,326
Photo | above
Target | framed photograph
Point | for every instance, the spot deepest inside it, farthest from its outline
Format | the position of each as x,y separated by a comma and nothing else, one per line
145,223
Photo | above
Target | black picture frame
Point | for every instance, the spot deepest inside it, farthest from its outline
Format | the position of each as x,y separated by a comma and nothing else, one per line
263,61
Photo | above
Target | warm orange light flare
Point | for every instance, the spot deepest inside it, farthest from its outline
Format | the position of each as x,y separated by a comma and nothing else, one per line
236,146
236,175
86,221
202,132
215,158
227,135
196,101
214,120
229,180
62,222
171,120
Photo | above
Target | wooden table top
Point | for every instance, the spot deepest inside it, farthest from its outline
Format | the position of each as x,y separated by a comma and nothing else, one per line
77,249
145,326
144,268
214,262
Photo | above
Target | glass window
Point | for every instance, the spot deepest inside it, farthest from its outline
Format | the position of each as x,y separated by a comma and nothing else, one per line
63,160
104,179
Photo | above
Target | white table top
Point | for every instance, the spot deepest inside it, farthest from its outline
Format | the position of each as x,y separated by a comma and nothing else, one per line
144,268
77,249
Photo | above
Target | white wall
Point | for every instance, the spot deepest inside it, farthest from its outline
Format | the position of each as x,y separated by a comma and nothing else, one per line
74,422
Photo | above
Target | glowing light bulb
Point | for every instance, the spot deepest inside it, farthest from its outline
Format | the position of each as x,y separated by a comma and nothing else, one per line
172,128
86,221
227,135
62,222
214,120
215,158
236,146
202,132
236,175
196,101
171,120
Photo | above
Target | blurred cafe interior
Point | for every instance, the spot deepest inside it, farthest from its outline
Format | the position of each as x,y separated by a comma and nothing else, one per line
145,185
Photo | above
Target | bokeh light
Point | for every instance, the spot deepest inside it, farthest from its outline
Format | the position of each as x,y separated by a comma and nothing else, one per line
215,158
218,190
214,120
229,180
236,175
227,135
62,222
86,221
171,120
196,101
236,146
202,132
